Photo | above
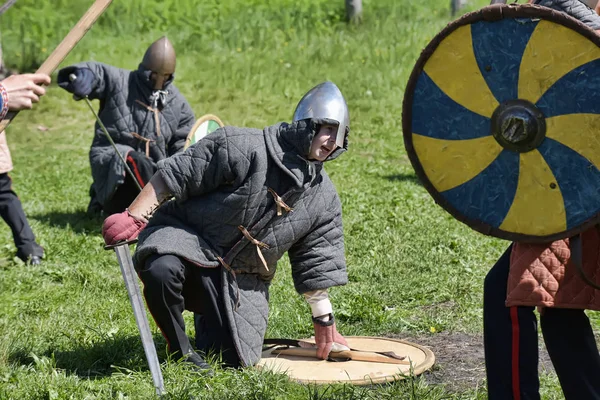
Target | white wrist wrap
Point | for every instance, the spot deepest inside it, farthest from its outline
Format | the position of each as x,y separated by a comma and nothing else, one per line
319,302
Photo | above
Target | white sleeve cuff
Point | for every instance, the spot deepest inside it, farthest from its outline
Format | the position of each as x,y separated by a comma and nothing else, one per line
319,302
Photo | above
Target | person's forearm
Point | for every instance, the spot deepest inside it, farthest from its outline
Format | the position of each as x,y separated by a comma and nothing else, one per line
319,302
150,198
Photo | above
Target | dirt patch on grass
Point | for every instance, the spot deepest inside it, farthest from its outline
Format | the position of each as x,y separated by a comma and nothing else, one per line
459,359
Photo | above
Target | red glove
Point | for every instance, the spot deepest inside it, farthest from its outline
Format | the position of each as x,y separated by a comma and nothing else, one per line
122,227
325,335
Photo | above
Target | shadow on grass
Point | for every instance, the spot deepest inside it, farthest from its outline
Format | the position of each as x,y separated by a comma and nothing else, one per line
403,178
79,221
98,360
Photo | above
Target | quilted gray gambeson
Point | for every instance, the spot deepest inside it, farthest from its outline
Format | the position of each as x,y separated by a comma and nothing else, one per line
229,180
120,92
575,9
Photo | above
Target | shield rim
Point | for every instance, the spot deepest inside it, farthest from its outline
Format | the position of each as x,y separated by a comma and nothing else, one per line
424,366
490,13
200,121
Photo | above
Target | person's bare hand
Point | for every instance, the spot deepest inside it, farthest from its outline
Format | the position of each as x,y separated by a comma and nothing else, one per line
24,90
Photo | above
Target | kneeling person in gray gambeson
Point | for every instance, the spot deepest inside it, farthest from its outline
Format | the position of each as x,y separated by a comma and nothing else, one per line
242,198
145,115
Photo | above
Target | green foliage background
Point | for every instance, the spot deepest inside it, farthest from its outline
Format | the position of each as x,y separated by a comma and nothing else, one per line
66,328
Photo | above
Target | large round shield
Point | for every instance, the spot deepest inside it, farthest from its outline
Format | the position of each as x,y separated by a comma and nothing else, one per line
501,121
308,370
204,125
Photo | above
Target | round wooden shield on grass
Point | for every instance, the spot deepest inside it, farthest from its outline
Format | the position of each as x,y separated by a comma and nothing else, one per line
501,121
204,125
312,370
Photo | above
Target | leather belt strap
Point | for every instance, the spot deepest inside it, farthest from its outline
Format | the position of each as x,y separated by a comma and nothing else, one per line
232,272
258,245
280,203
156,117
143,139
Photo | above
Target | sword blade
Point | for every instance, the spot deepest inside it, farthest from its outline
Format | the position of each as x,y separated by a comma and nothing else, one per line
343,355
139,311
336,348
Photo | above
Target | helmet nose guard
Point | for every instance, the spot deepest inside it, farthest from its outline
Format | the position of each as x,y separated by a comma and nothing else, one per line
327,102
160,59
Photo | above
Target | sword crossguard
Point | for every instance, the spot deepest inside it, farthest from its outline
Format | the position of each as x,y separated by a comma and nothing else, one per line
123,243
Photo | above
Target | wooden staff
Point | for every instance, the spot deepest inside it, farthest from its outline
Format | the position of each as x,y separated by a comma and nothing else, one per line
65,47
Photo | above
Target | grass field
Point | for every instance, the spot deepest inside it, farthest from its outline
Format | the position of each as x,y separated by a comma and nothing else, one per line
66,327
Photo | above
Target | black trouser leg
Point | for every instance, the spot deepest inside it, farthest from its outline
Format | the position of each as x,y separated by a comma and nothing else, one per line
212,329
143,168
12,213
94,206
510,340
163,277
572,347
172,285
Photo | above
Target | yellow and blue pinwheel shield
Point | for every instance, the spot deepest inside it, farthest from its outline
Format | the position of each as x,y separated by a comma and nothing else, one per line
501,122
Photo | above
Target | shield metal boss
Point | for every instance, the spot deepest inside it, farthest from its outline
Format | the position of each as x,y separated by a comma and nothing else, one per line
316,371
501,121
204,125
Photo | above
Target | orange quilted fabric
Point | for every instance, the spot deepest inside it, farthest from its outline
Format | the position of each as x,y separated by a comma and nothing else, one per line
543,274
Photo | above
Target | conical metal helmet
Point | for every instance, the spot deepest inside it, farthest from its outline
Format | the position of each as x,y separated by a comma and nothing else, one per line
160,59
325,101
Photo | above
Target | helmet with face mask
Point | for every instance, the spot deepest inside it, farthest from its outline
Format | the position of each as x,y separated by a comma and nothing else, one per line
160,59
325,101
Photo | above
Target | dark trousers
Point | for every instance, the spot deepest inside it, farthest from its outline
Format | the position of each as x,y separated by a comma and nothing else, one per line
143,168
511,345
172,285
12,213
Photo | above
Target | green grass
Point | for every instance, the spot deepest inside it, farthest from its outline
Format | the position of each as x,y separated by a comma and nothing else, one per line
66,328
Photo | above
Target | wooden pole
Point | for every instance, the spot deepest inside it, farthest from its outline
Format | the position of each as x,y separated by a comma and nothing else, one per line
65,47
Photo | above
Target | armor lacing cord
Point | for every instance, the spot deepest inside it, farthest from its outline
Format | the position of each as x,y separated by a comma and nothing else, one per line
155,111
158,95
280,204
258,244
143,139
232,272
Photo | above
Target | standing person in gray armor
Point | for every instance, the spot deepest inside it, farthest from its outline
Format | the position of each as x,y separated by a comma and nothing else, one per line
242,198
144,113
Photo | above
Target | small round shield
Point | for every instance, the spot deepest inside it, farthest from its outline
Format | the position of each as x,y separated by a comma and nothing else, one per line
312,370
204,125
501,117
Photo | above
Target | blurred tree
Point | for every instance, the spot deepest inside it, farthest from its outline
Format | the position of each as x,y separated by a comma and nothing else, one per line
354,10
3,8
456,5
